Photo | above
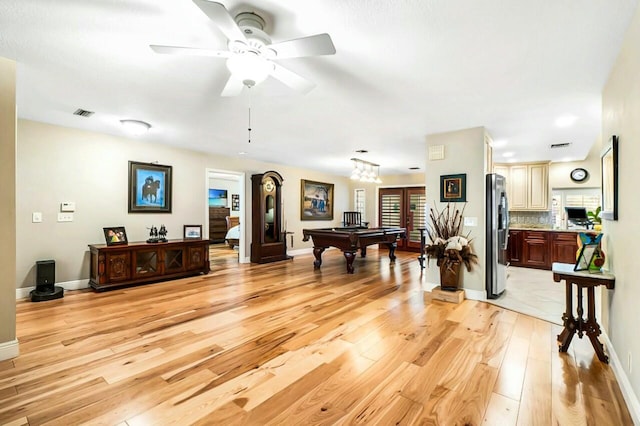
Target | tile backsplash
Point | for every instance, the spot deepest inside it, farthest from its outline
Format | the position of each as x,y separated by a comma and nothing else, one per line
530,218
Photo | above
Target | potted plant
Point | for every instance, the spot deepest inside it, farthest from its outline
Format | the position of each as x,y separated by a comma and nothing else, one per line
596,219
448,246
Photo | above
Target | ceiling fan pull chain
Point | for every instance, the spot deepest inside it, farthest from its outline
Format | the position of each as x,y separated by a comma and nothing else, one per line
249,124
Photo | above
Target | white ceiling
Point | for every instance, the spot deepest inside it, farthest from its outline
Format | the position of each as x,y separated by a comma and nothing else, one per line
403,70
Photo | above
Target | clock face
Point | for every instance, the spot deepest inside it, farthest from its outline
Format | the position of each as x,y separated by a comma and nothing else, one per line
579,175
269,186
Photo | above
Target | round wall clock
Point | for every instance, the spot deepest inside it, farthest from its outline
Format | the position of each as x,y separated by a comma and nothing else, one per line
579,175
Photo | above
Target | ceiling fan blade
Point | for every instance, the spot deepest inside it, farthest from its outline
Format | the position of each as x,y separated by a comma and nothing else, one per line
319,44
233,87
220,15
190,51
291,79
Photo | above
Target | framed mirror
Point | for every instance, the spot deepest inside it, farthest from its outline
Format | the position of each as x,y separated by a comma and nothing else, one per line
609,164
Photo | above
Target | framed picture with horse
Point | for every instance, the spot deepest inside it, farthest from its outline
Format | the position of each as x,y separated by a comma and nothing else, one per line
149,188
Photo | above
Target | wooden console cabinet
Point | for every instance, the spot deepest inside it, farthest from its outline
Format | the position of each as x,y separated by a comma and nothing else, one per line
141,263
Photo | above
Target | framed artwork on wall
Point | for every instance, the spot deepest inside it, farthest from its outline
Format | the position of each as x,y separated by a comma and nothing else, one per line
217,198
149,188
316,200
609,163
235,202
453,188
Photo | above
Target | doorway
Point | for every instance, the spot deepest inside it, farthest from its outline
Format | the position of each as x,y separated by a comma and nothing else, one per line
225,224
403,207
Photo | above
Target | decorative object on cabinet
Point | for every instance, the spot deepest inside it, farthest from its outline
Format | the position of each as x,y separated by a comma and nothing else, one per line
235,202
579,175
192,232
448,246
316,200
217,197
268,242
140,263
453,188
149,188
592,260
115,235
218,223
609,163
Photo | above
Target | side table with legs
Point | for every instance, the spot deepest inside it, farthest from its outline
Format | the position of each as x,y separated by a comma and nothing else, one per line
572,325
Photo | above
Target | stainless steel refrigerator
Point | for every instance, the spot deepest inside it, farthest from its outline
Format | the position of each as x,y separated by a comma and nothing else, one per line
497,234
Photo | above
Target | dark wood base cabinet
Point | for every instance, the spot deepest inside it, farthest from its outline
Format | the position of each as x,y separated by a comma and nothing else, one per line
540,249
141,263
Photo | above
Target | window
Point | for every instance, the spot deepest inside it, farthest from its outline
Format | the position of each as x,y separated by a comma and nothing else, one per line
359,203
561,198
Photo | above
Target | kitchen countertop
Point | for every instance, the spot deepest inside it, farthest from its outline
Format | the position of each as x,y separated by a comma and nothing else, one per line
533,228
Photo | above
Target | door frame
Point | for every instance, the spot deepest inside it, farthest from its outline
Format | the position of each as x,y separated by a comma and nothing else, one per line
242,257
377,205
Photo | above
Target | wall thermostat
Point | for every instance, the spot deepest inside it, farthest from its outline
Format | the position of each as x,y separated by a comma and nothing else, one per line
68,206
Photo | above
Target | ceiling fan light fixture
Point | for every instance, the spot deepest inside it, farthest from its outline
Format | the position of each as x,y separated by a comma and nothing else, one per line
249,68
135,127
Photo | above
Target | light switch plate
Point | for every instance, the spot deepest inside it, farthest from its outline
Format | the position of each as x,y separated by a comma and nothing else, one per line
36,217
65,217
470,221
68,206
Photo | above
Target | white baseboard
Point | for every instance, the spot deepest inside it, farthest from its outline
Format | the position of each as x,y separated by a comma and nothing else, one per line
23,293
9,349
475,294
629,395
299,252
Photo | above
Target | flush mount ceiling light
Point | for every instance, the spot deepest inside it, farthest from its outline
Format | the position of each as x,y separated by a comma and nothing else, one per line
135,127
364,171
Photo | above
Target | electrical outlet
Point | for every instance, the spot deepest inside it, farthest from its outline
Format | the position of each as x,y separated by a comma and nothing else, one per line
36,217
470,221
629,365
65,217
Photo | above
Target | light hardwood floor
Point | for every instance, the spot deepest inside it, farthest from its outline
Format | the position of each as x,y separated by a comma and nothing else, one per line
284,344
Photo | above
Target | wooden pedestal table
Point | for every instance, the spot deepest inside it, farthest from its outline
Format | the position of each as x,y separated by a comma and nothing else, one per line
572,325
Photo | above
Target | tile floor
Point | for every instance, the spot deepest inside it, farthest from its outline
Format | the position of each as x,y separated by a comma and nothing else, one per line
533,292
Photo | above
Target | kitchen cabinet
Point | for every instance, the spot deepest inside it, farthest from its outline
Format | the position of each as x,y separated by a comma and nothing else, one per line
535,250
540,248
527,185
514,247
564,246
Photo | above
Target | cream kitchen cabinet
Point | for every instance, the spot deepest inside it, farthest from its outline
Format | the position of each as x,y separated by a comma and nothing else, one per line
527,185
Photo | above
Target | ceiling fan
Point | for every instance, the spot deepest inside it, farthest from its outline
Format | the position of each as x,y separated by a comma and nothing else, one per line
251,55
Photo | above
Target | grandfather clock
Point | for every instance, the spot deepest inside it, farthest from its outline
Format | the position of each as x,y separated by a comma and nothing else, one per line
268,242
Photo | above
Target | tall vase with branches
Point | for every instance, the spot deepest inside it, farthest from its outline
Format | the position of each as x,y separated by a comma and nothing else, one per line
447,244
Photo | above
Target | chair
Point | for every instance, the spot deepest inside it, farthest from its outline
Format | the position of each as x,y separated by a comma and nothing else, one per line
353,220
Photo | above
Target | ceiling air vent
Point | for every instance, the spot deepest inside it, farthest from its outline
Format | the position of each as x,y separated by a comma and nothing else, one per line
83,112
560,145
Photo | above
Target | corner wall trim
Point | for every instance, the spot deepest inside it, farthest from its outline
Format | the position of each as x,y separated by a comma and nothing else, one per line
625,385
23,293
9,349
475,294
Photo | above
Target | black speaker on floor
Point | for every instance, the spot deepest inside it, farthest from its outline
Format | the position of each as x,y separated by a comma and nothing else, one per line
45,280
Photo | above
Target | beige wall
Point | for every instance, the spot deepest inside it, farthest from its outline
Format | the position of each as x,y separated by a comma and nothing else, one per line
7,207
621,116
57,164
559,172
464,153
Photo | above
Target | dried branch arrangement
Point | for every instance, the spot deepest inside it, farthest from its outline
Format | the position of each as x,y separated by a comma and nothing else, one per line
447,245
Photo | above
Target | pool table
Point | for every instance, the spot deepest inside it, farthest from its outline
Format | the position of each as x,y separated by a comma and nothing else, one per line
350,239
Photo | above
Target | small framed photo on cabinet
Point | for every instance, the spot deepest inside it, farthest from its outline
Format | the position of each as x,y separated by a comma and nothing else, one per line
115,235
192,232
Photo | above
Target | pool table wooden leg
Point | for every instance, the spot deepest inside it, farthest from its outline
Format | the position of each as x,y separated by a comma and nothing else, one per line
317,252
363,252
392,251
349,255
